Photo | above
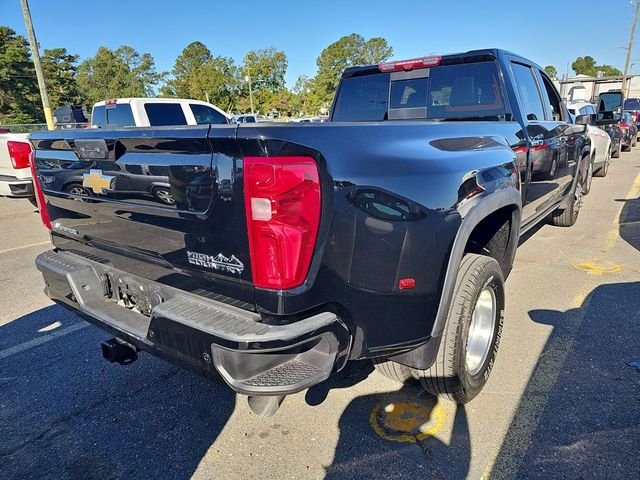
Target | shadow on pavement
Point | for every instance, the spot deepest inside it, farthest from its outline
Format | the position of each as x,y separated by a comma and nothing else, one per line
630,222
580,414
66,413
380,437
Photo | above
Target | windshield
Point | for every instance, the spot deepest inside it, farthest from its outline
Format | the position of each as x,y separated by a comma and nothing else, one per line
462,91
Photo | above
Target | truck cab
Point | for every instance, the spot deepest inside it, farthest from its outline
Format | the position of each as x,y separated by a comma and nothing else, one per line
155,112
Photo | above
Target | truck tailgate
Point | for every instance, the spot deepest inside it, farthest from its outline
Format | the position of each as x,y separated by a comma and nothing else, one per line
163,199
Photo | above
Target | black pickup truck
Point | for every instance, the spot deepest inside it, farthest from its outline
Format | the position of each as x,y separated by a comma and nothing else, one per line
286,250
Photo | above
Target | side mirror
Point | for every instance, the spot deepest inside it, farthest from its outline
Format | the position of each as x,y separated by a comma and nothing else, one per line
583,120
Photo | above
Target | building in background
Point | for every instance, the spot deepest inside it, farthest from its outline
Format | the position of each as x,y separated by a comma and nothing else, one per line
584,87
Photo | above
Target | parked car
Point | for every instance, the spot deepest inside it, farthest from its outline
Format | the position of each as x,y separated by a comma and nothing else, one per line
600,142
629,131
632,105
15,172
608,113
368,237
249,118
155,112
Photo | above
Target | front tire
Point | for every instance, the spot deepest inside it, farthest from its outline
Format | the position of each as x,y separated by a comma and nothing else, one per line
602,171
567,217
472,333
589,180
618,150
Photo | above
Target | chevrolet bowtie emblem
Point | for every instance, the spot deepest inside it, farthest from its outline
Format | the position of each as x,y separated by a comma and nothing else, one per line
97,182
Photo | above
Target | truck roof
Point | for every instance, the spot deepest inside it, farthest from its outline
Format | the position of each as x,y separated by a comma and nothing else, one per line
149,99
443,59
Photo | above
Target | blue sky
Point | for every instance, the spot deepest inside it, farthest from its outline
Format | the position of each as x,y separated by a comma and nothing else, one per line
546,31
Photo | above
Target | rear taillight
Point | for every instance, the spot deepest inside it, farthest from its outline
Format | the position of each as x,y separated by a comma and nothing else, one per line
282,199
44,214
624,125
19,153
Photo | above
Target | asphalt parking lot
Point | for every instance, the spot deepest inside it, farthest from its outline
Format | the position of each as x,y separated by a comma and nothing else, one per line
563,400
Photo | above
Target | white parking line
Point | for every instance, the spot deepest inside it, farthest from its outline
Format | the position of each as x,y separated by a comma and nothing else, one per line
7,250
40,340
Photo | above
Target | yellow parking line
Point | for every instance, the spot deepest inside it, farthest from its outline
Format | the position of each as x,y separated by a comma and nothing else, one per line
7,250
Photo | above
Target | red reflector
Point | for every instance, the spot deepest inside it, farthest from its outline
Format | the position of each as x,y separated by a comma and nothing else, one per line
410,64
282,201
19,153
44,214
407,283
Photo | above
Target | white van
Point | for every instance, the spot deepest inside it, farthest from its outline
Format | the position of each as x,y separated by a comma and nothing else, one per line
154,112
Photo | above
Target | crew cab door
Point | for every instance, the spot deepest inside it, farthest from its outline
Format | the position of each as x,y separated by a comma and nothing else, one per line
551,156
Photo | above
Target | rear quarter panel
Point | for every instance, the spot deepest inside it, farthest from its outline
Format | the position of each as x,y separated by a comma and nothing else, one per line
393,200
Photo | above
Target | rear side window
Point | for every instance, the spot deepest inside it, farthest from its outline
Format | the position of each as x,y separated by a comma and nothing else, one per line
362,99
446,92
161,114
528,92
113,116
205,115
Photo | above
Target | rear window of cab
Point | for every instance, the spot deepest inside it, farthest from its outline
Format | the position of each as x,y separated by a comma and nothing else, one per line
469,90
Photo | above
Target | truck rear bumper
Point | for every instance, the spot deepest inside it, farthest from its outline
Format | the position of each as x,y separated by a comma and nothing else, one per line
254,358
14,187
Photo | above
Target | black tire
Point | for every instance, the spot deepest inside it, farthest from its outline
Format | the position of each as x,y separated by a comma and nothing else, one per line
449,376
616,154
586,188
603,170
567,217
393,370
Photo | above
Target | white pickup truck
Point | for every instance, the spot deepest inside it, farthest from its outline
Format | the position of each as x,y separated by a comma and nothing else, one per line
154,112
15,171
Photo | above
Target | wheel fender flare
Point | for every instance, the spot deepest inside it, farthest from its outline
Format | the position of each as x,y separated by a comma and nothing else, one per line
423,356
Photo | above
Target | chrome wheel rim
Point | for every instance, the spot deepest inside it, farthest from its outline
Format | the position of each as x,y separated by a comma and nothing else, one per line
481,331
577,202
165,196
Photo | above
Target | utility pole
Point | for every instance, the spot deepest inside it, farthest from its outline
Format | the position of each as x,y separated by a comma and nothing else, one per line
628,60
248,80
35,52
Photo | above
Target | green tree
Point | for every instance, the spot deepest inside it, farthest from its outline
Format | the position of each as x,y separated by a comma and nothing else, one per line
199,75
117,73
551,71
19,96
609,71
59,68
584,66
266,69
348,51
